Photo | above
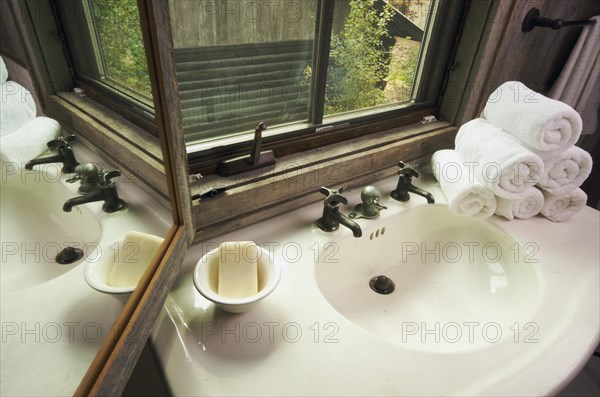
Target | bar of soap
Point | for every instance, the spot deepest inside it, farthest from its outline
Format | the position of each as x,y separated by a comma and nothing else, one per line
132,258
238,271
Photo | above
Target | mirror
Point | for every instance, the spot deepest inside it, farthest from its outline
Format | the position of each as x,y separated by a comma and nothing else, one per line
63,330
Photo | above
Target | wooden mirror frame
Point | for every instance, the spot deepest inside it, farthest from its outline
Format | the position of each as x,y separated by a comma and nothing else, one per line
109,372
117,356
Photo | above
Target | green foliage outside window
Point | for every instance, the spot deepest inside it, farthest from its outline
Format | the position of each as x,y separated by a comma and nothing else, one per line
359,61
118,25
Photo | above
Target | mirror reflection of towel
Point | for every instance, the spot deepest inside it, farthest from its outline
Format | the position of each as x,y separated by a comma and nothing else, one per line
17,107
3,71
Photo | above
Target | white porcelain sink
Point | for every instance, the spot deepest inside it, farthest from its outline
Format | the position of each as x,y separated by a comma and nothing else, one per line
34,229
480,307
452,274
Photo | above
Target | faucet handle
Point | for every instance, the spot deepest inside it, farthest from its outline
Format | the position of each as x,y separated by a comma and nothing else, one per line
406,169
61,142
108,175
334,196
89,175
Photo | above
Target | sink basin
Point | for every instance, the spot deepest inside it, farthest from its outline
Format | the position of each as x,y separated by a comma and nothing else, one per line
459,282
34,229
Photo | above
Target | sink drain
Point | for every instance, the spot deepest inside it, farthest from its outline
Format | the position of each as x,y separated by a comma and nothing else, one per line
382,285
69,255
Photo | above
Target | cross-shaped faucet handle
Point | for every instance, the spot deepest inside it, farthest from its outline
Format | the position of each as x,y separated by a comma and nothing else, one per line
334,196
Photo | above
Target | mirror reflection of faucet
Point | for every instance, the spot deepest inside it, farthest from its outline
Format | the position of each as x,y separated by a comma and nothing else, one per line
64,155
88,175
97,185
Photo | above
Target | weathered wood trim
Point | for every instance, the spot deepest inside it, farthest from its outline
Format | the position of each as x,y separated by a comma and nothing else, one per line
131,133
293,184
112,372
156,27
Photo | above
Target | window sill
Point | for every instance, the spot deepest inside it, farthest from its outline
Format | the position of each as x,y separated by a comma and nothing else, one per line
137,153
295,180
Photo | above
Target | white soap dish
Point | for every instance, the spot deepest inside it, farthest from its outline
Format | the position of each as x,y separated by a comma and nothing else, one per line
97,270
206,280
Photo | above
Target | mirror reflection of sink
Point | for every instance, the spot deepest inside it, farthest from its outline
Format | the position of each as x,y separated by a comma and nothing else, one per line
458,281
34,229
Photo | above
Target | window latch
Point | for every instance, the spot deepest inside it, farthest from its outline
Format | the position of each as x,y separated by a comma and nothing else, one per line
256,159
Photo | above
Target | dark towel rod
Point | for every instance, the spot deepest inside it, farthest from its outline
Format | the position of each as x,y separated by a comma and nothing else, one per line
533,19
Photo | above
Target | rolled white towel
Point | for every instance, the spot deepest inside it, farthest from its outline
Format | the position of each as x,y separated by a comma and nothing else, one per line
564,171
465,196
17,107
497,160
3,71
542,123
561,208
523,208
29,141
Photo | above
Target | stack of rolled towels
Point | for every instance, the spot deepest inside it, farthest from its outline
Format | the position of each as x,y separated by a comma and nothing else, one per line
518,160
23,136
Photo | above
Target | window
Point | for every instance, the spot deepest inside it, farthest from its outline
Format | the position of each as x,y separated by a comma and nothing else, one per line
315,71
305,67
107,53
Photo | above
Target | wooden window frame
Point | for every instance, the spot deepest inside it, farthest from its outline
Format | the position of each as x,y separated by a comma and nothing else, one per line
114,96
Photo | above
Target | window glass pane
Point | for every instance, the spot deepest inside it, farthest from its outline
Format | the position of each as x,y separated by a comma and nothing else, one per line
105,42
121,45
240,62
375,53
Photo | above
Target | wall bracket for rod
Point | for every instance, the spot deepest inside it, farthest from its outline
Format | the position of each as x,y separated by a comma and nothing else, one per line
533,19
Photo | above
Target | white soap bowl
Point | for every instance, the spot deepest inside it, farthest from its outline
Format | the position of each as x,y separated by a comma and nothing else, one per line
97,269
206,280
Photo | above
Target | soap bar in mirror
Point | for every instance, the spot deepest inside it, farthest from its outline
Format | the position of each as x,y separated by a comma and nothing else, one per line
132,258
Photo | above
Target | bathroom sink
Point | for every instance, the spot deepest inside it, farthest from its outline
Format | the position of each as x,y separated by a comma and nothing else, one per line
479,307
452,274
34,229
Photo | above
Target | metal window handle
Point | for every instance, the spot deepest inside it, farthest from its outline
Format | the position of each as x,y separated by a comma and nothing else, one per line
256,159
255,155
